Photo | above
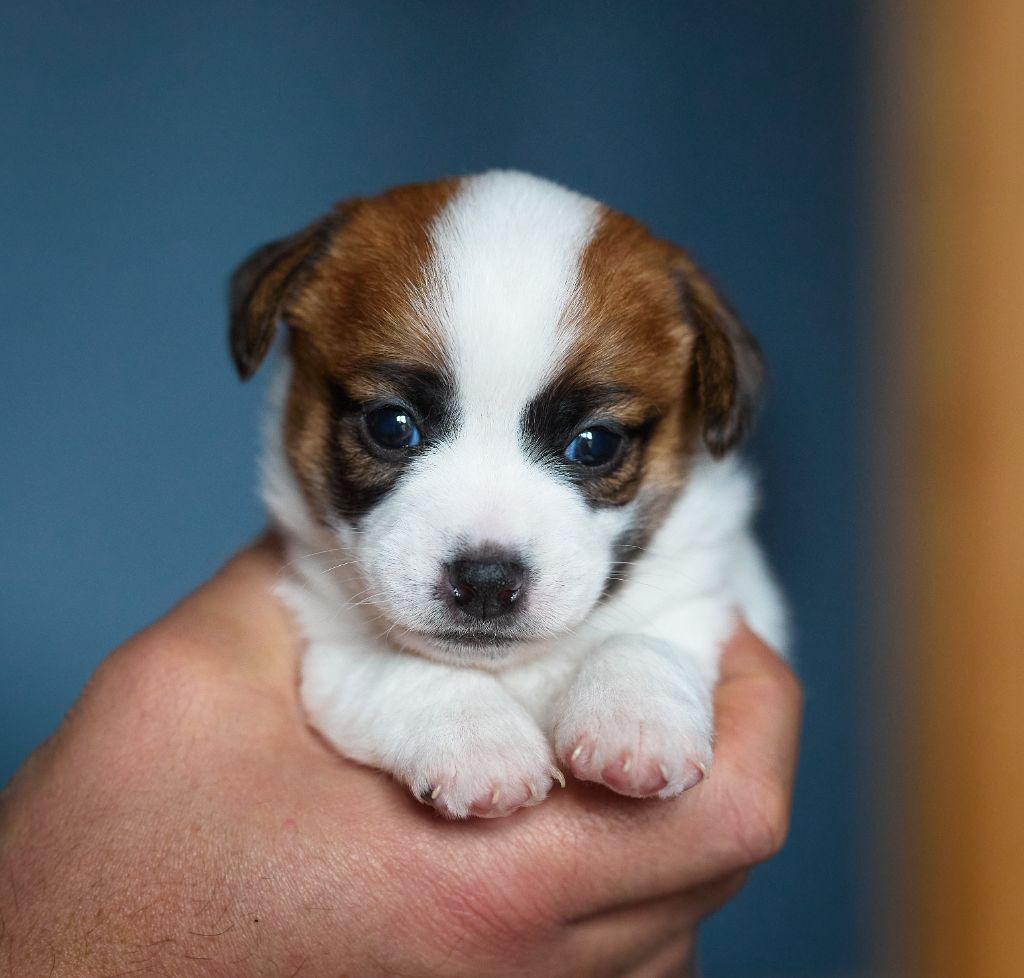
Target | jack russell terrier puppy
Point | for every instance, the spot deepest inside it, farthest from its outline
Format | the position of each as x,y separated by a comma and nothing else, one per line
501,457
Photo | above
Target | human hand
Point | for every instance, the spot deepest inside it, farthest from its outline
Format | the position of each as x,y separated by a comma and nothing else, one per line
184,821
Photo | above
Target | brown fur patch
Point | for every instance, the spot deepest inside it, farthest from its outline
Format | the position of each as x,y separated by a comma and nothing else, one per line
354,311
633,337
651,324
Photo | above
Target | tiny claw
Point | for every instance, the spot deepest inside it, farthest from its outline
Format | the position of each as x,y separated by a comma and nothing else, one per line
495,795
576,753
693,775
664,773
558,776
534,793
703,769
627,763
436,791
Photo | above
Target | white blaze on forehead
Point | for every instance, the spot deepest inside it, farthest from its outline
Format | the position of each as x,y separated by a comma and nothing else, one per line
503,286
502,293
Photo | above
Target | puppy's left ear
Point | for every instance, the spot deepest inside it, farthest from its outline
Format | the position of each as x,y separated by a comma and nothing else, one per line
260,287
727,371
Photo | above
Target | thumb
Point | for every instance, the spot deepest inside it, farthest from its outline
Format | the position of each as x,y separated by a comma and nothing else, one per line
235,619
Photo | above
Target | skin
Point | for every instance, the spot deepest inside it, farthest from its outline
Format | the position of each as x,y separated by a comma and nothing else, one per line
184,821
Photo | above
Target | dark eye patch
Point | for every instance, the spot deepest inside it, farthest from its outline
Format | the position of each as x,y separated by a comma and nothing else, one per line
365,410
594,434
627,549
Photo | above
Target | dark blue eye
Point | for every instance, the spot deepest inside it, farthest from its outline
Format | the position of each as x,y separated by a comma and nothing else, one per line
393,427
593,447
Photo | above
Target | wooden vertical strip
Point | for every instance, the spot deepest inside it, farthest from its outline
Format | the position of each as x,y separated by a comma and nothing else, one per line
966,316
885,410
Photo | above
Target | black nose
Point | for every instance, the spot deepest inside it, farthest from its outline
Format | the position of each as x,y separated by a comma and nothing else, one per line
486,587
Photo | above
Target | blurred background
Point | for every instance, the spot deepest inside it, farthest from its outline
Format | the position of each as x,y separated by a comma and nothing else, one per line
810,154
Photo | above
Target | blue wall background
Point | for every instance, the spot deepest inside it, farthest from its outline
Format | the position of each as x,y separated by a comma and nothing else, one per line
148,146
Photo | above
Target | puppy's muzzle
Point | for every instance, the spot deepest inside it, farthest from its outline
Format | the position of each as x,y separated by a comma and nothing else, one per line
485,586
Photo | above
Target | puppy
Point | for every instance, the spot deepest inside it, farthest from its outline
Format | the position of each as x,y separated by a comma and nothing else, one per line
501,453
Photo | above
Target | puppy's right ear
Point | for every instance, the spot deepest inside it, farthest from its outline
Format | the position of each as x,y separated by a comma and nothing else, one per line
263,283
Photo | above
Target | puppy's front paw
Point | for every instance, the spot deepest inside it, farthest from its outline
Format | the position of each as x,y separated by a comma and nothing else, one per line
638,720
480,763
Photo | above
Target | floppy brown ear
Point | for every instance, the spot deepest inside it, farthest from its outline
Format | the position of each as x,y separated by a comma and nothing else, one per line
260,287
727,370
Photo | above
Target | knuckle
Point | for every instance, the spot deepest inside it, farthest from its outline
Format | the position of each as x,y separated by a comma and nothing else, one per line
781,685
143,669
791,691
760,823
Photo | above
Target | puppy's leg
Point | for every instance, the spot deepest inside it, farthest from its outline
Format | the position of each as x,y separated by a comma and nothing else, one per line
638,716
457,739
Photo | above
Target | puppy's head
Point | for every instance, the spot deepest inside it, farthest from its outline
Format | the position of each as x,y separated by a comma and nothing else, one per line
497,387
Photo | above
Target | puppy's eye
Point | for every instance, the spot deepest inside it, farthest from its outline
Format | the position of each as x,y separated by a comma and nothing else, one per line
392,427
593,447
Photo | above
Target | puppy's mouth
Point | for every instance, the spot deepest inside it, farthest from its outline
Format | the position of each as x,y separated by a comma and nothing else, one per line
479,645
478,638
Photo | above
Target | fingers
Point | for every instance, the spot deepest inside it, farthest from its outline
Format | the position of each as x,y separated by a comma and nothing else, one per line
675,960
758,711
649,939
737,818
638,942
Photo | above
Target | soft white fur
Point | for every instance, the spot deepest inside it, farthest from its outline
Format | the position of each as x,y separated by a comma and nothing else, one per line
618,691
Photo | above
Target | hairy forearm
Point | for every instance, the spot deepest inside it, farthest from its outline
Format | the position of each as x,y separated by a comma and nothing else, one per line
123,891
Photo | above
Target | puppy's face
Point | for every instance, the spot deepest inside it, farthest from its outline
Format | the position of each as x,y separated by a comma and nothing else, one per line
497,387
